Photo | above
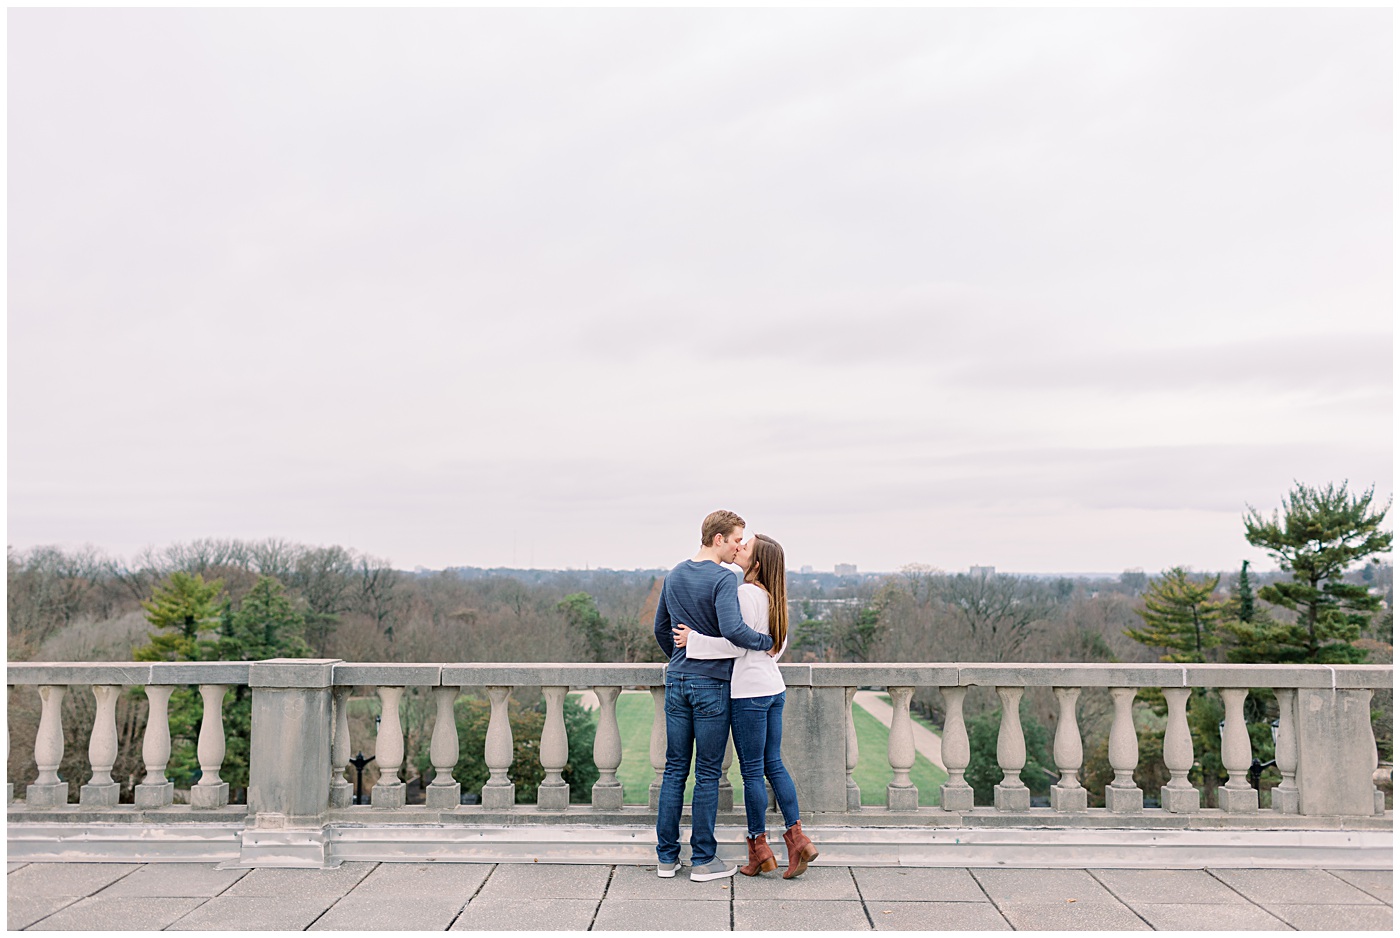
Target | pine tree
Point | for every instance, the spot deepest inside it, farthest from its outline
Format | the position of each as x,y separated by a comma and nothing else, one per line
1244,595
181,610
1322,532
266,625
1180,616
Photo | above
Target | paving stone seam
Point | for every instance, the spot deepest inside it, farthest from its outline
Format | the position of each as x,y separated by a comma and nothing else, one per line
990,900
612,871
731,905
1211,873
189,913
1354,886
1123,902
71,900
337,899
77,898
861,896
482,885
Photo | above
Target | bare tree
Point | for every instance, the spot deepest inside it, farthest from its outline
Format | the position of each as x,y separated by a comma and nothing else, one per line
997,610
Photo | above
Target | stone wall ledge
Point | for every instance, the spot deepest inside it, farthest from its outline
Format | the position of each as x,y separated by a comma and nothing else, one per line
903,846
59,674
288,672
874,817
291,673
388,675
546,674
19,813
199,672
640,816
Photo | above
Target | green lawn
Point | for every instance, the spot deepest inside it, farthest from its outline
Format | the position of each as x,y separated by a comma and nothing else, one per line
873,770
635,772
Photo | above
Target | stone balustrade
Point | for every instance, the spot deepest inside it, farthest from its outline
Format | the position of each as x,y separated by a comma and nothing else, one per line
300,741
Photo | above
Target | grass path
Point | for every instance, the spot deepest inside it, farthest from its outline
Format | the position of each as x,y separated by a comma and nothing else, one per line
873,770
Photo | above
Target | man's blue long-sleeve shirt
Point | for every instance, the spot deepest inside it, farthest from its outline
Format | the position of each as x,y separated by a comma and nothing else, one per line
703,596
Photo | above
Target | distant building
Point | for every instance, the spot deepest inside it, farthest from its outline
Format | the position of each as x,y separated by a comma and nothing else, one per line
806,568
845,569
982,571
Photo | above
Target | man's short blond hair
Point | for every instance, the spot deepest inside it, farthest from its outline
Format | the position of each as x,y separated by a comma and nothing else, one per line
718,522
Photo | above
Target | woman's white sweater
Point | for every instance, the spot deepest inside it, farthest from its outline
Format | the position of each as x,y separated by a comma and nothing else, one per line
755,672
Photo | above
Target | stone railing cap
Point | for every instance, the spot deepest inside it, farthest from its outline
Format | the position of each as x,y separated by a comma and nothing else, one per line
292,672
387,674
78,672
324,672
534,674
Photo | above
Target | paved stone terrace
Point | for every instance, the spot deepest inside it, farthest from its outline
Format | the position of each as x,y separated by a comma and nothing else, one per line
552,897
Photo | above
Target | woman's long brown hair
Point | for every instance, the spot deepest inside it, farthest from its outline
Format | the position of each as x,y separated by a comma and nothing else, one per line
772,576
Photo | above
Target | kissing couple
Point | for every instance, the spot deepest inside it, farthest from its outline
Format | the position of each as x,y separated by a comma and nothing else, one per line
724,638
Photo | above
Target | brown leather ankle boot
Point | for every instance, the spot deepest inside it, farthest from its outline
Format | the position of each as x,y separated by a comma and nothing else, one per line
800,851
761,859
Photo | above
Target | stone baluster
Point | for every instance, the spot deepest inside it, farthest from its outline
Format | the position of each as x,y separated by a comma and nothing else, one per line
1067,794
48,790
1179,796
9,786
1122,796
607,752
156,791
1011,794
852,753
900,794
211,792
553,792
499,791
726,788
956,793
342,793
1237,796
1377,796
445,792
1285,795
389,791
101,791
657,749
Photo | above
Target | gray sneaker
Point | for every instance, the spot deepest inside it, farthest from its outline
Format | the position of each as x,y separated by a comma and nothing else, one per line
715,869
667,870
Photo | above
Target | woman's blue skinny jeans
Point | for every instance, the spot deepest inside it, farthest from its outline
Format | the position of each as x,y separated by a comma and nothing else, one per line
758,742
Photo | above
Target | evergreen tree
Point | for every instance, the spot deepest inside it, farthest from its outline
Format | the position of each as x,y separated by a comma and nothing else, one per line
1244,595
265,624
1322,532
983,770
182,609
1180,616
581,612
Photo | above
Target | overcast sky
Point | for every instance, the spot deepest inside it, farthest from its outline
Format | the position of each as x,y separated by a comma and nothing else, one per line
1050,291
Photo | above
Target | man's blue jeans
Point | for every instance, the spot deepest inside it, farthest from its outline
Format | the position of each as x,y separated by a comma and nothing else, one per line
758,742
697,715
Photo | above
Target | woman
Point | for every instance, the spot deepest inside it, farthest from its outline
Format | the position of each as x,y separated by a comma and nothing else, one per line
756,694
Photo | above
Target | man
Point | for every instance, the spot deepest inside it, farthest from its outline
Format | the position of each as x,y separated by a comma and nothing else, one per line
704,596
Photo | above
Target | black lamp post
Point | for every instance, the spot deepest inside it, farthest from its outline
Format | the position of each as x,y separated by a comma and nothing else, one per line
359,762
1256,768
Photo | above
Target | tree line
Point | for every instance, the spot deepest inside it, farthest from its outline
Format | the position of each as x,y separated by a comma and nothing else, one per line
245,600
